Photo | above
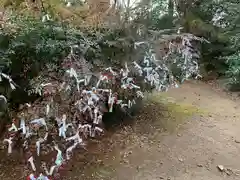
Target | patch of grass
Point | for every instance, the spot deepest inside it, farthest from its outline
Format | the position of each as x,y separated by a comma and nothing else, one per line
163,114
171,105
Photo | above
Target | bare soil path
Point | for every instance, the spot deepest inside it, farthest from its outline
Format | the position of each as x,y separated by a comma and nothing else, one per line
183,134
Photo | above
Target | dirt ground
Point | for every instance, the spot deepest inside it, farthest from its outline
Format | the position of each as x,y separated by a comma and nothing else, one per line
183,134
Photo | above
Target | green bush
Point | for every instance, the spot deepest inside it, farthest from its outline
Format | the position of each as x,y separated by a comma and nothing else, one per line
233,72
27,45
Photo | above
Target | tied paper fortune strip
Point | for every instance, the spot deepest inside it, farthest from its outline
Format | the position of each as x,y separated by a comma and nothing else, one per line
30,160
9,141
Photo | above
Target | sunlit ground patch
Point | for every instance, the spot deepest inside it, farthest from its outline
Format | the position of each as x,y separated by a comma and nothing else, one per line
163,113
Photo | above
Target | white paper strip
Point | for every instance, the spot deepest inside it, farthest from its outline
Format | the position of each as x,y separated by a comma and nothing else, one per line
30,160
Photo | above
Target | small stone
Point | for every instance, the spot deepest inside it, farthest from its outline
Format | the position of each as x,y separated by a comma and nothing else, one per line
208,168
180,159
99,161
220,167
200,165
237,141
237,172
229,172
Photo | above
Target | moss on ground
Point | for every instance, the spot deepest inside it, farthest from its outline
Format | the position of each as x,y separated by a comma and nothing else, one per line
166,114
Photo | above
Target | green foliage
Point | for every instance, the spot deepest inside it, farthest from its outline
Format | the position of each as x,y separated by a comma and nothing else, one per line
233,72
234,68
31,45
232,30
162,15
216,21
